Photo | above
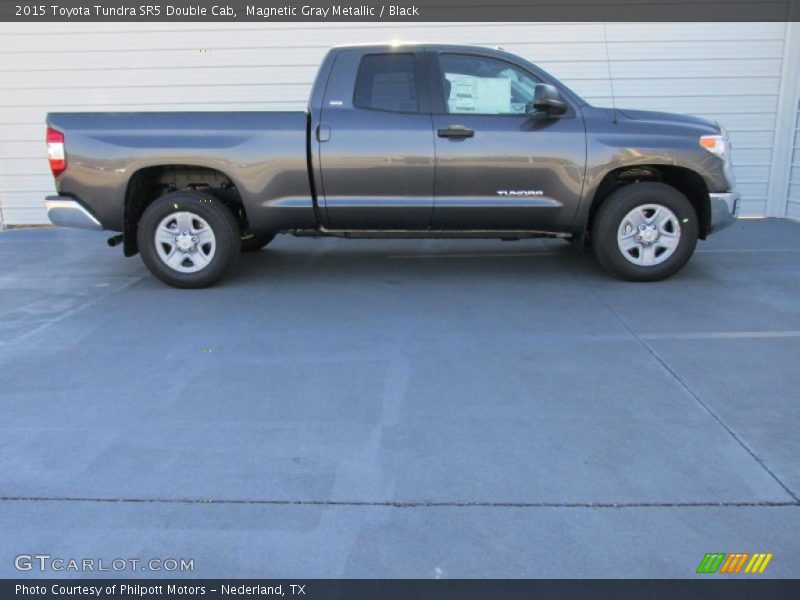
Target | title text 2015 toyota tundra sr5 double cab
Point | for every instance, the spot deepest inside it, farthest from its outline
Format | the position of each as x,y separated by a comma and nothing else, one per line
398,141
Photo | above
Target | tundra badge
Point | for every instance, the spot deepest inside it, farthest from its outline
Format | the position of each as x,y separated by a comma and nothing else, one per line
520,193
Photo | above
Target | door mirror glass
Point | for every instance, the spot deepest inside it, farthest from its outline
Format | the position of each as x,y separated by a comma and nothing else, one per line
547,99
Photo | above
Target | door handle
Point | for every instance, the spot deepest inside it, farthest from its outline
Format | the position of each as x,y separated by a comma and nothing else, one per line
457,132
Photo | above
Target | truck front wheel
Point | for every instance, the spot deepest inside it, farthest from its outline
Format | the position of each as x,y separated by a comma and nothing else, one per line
645,231
188,239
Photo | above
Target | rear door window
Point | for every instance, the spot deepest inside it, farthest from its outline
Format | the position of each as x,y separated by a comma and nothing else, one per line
387,82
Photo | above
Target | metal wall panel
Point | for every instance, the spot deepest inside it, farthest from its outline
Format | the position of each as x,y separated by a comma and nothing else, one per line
730,72
793,197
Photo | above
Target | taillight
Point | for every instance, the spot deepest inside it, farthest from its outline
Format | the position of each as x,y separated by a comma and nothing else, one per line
55,151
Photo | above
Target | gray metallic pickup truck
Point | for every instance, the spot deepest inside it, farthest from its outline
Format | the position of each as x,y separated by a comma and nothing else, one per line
398,141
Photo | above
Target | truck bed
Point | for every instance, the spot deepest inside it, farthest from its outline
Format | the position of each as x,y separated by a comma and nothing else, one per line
263,153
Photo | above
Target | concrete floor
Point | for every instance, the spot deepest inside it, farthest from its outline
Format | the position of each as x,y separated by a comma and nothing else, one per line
402,409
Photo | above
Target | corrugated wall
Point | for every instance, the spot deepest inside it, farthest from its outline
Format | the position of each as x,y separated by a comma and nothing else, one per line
729,72
793,198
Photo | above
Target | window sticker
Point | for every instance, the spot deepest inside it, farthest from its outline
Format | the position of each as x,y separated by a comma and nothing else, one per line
481,95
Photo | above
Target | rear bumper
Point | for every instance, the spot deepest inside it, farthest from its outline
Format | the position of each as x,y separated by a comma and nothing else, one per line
724,207
67,212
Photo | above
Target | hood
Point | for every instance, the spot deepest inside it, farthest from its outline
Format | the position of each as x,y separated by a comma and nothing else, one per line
663,118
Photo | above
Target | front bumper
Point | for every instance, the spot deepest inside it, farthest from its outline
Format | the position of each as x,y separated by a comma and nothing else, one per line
67,212
724,207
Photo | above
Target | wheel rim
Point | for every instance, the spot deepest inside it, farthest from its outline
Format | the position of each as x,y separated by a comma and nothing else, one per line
185,242
649,234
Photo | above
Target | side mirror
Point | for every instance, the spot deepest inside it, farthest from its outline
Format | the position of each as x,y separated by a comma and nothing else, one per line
547,100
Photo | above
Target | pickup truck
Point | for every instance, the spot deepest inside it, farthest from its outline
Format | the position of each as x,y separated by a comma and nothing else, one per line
404,141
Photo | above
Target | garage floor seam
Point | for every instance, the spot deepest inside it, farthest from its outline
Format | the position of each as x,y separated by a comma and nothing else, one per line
77,309
697,398
403,504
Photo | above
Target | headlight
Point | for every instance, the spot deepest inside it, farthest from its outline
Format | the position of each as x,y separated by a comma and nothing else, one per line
718,145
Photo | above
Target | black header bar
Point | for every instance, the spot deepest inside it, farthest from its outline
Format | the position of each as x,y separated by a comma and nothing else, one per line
705,587
399,11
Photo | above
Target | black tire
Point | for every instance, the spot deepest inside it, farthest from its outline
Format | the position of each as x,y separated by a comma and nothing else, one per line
613,211
219,219
253,242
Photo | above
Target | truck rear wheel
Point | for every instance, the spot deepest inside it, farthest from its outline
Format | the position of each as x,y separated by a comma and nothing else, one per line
253,242
188,239
645,231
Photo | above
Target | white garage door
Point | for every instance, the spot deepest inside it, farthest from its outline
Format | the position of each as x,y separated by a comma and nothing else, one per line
793,204
729,72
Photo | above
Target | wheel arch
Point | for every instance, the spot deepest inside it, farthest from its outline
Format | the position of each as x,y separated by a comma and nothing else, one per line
690,183
151,182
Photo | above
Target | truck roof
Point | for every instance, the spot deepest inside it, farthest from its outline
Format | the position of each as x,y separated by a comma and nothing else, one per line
395,44
496,52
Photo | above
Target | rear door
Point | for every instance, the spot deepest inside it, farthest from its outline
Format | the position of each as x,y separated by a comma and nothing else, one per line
498,167
375,141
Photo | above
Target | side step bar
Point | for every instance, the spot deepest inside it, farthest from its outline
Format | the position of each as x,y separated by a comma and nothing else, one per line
427,233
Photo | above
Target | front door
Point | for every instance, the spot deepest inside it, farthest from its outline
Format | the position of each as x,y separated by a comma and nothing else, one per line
376,144
498,167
